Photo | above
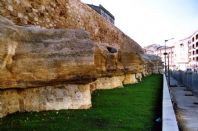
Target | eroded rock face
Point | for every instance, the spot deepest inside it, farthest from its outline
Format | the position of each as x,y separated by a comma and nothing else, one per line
32,57
58,63
66,14
51,69
73,14
153,64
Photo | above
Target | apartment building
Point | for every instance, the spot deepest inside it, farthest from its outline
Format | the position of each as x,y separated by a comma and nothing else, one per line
193,50
182,55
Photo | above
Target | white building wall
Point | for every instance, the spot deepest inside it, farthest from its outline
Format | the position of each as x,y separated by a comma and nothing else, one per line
181,54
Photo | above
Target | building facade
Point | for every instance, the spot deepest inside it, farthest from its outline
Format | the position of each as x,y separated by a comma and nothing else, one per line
169,58
182,54
103,12
193,51
158,50
151,49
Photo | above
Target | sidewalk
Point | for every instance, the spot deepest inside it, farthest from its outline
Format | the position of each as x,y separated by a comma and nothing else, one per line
186,105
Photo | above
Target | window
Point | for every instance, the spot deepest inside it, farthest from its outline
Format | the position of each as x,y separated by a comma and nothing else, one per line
197,51
196,36
193,46
196,58
193,52
193,58
193,39
197,44
181,44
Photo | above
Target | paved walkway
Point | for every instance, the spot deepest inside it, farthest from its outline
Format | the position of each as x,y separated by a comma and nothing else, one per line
186,106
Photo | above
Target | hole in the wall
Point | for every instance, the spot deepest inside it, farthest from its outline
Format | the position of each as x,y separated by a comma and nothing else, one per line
41,14
111,49
62,13
28,10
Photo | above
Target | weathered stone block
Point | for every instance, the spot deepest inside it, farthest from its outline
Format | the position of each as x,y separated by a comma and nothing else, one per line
45,98
130,79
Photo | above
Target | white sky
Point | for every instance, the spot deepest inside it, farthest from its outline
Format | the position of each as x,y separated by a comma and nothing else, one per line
153,21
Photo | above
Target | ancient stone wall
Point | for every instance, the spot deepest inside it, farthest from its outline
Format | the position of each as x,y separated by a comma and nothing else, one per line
72,14
153,64
66,14
51,69
54,53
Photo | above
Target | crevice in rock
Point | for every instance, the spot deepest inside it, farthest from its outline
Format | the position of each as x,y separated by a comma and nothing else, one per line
111,49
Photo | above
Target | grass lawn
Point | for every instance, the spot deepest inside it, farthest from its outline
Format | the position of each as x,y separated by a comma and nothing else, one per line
133,108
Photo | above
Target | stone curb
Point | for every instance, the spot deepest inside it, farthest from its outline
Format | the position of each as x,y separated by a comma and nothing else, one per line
169,122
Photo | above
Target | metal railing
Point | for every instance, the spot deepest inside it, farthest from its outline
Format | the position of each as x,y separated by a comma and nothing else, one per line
188,78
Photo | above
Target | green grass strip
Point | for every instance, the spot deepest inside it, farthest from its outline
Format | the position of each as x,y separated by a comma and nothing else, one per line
132,108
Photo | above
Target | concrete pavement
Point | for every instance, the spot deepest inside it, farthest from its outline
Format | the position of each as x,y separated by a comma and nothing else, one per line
186,106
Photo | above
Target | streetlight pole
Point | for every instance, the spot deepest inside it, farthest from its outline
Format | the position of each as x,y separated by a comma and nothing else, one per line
165,53
168,71
165,59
